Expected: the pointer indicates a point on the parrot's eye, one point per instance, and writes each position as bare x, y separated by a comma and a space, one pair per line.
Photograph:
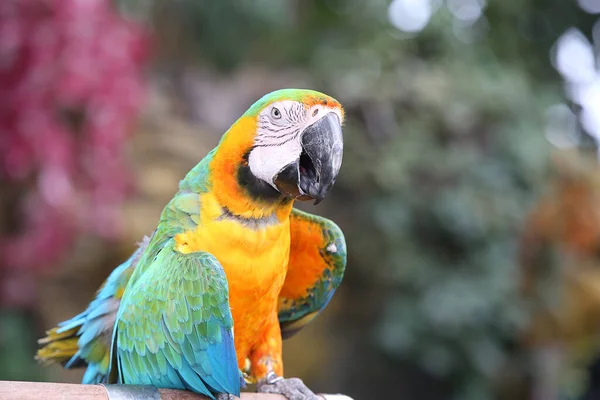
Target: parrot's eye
275, 113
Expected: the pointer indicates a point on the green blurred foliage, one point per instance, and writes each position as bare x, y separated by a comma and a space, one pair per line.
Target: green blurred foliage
16, 342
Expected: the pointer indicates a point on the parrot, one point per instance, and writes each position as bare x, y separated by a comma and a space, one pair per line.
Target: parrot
231, 269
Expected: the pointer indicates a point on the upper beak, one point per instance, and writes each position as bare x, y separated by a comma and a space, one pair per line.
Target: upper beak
313, 174
321, 158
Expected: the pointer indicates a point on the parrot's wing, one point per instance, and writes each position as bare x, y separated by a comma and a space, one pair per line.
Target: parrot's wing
315, 270
86, 338
175, 329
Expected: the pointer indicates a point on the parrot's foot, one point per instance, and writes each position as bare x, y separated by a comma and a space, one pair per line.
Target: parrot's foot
292, 388
224, 396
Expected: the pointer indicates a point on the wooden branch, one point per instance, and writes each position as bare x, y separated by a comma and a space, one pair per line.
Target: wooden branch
14, 390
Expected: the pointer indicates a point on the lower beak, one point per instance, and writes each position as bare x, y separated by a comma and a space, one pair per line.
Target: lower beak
314, 173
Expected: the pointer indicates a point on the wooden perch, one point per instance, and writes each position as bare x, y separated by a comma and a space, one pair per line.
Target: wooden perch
13, 390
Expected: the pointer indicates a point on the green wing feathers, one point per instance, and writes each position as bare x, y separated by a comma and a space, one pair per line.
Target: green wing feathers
315, 270
175, 328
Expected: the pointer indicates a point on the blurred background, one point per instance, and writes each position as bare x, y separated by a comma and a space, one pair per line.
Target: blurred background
469, 193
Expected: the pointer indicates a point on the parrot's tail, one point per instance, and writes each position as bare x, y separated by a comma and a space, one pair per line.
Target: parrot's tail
79, 343
86, 339
58, 346
83, 341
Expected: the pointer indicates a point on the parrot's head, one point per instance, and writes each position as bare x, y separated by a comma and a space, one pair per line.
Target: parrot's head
297, 146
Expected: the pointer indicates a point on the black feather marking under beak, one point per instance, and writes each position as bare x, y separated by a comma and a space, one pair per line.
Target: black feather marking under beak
315, 171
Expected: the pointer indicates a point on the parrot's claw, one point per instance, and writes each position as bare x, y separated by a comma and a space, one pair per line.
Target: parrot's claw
224, 396
292, 388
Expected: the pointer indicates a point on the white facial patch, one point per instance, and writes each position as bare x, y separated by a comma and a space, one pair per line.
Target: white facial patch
279, 134
266, 162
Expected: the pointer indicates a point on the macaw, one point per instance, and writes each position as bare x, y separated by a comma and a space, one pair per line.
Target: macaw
229, 254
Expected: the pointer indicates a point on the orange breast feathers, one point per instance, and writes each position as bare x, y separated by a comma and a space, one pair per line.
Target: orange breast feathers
255, 262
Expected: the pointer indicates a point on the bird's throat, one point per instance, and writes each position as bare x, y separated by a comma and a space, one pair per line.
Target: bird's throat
238, 191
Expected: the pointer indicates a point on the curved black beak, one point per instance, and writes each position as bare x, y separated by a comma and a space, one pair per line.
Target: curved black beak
314, 173
321, 159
